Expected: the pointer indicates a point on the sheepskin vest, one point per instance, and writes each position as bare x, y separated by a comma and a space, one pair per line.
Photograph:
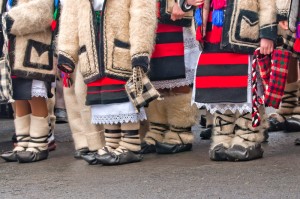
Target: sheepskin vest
125, 39
246, 22
28, 25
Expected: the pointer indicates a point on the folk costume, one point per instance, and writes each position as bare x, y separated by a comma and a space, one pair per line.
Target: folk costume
27, 23
109, 39
223, 76
287, 117
87, 137
172, 69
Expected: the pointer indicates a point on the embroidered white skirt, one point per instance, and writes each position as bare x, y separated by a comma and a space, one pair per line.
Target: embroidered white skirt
116, 113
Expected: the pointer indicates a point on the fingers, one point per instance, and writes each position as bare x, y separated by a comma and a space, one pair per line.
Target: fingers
266, 50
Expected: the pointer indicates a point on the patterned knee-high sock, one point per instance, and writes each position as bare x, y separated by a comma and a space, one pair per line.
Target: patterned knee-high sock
112, 135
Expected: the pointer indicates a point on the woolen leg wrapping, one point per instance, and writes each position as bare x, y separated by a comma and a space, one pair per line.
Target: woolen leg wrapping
156, 113
39, 129
74, 117
91, 131
180, 112
95, 140
22, 127
178, 138
246, 132
130, 136
112, 134
223, 130
289, 99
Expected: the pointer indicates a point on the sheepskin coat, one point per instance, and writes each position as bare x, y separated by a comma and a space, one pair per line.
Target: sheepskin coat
126, 39
28, 25
246, 22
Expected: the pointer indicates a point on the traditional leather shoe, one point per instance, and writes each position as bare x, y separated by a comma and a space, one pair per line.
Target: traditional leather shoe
124, 158
9, 156
240, 153
292, 125
29, 156
206, 133
147, 148
297, 141
91, 158
51, 146
275, 125
79, 152
218, 153
165, 148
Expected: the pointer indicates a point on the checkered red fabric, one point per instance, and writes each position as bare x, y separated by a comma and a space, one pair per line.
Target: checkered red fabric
278, 75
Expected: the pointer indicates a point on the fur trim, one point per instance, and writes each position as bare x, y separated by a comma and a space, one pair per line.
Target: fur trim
173, 138
156, 112
31, 17
285, 108
95, 140
180, 112
221, 139
151, 136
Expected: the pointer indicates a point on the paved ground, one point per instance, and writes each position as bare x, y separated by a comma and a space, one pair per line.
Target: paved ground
186, 175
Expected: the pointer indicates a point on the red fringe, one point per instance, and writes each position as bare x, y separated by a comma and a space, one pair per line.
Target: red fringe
67, 80
53, 25
297, 45
199, 36
216, 35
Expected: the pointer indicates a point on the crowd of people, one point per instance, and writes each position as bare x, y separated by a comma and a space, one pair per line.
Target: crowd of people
139, 74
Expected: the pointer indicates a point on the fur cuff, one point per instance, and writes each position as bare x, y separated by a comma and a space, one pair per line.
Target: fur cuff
269, 32
141, 60
65, 59
151, 136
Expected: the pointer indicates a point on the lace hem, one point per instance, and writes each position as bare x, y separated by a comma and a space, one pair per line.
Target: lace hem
121, 118
212, 108
188, 80
39, 93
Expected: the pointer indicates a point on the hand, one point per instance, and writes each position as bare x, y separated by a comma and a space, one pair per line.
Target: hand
266, 46
284, 25
177, 13
195, 2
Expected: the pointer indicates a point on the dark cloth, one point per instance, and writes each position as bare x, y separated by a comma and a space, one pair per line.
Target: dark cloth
167, 61
106, 91
222, 80
22, 88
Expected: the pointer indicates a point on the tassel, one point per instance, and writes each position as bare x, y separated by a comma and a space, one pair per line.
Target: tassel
198, 17
218, 4
199, 36
297, 42
67, 80
218, 18
53, 25
297, 45
216, 35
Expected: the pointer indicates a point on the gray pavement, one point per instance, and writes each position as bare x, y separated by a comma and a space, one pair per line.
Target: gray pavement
185, 175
